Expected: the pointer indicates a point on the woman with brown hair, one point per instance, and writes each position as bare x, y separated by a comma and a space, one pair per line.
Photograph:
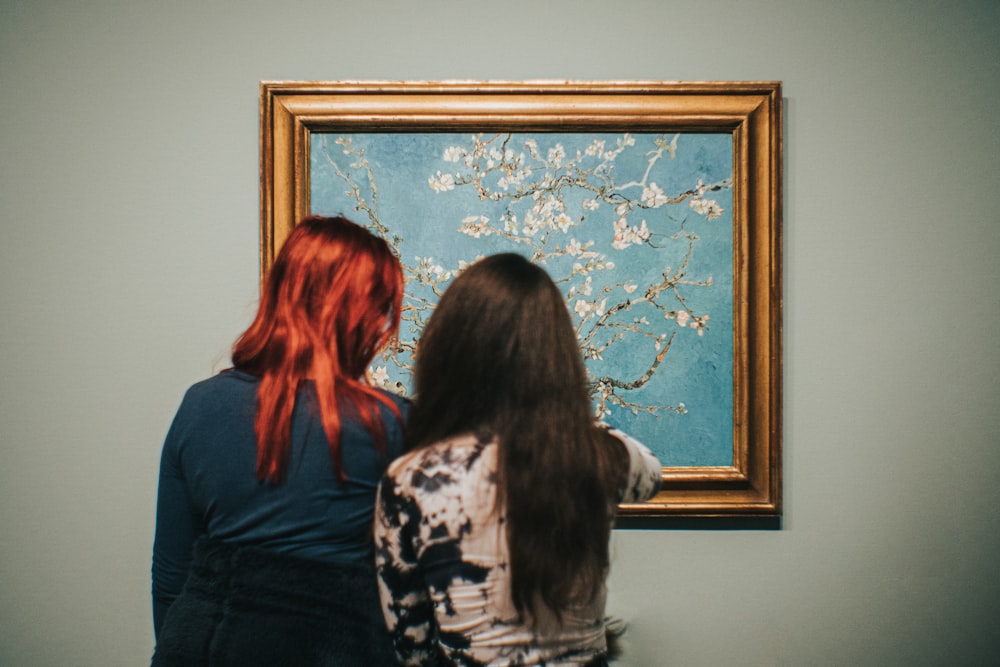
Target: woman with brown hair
263, 549
491, 535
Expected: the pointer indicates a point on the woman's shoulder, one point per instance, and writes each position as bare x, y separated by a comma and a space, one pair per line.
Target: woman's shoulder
226, 377
645, 472
449, 481
221, 387
456, 454
401, 402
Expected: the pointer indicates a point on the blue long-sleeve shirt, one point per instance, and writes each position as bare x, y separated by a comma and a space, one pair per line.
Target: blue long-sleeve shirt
207, 483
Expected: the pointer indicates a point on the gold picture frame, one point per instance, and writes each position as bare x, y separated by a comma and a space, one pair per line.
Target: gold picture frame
294, 113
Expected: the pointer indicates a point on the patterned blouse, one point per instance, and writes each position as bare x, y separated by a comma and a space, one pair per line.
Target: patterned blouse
441, 553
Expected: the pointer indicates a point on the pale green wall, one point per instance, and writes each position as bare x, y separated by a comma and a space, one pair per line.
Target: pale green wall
128, 259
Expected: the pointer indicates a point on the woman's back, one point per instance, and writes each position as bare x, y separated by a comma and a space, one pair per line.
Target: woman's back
441, 550
268, 571
207, 484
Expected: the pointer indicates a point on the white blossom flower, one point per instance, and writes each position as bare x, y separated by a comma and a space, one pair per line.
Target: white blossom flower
706, 207
532, 147
513, 178
682, 317
428, 271
441, 182
575, 248
629, 287
476, 226
699, 324
532, 224
463, 264
563, 222
591, 204
378, 376
653, 196
556, 154
509, 221
626, 235
596, 148
453, 154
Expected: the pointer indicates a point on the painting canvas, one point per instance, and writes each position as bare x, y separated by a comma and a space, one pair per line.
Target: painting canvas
656, 207
636, 228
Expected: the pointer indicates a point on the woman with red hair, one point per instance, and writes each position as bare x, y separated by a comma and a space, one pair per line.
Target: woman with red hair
263, 551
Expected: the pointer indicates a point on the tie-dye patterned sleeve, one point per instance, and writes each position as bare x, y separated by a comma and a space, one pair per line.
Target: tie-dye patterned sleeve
406, 605
645, 473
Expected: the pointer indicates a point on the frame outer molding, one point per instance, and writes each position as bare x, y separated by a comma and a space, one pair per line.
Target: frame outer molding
751, 111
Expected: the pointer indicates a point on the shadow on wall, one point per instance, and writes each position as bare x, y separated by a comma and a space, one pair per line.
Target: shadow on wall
699, 523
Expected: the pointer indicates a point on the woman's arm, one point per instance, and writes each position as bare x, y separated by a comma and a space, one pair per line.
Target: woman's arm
645, 472
177, 528
406, 603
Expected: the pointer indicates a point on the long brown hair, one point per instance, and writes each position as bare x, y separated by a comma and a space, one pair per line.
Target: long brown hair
499, 357
330, 302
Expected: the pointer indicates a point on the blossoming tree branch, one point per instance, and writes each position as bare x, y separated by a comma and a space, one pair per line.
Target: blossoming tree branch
566, 210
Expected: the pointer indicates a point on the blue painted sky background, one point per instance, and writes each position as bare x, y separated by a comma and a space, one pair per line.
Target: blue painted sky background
698, 369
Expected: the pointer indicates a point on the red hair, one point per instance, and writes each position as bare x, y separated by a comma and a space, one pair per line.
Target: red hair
330, 302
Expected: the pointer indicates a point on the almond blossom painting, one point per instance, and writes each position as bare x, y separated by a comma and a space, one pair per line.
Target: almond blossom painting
636, 229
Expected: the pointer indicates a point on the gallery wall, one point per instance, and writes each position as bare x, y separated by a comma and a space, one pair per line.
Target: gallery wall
129, 259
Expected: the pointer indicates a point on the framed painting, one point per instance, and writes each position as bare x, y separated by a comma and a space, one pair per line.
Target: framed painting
655, 206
